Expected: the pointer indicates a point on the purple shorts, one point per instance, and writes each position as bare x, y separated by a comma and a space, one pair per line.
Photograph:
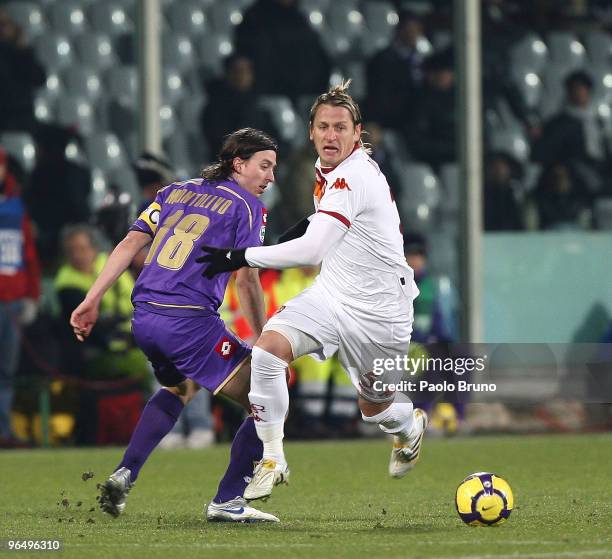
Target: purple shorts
198, 347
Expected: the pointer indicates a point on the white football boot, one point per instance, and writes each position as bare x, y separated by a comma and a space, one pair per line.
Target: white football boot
236, 510
404, 456
267, 474
114, 492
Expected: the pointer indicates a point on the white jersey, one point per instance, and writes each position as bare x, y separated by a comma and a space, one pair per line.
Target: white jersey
367, 270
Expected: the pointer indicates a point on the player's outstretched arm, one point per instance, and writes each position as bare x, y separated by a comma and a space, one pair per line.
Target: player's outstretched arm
323, 234
84, 317
296, 230
250, 295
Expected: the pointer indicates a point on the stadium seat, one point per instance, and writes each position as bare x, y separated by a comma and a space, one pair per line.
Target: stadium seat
54, 51
29, 16
174, 88
307, 6
419, 185
512, 142
95, 51
212, 49
189, 111
75, 153
442, 254
529, 53
99, 188
357, 73
167, 120
338, 46
122, 118
67, 17
105, 151
122, 85
44, 107
602, 80
177, 51
603, 213
529, 84
110, 18
21, 146
553, 93
531, 176
315, 10
418, 196
177, 148
345, 21
565, 49
371, 43
82, 82
187, 18
224, 16
599, 47
125, 178
54, 85
77, 112
284, 117
450, 202
380, 18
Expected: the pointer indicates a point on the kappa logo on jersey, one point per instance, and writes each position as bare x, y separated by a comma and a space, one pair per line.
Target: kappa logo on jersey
341, 184
225, 348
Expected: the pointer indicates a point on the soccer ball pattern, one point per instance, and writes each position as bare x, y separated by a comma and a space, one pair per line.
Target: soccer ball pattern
484, 499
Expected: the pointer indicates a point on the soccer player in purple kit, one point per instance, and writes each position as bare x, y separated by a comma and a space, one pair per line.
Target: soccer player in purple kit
176, 322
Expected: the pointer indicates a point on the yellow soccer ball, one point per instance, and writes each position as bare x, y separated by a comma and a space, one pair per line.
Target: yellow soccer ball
484, 499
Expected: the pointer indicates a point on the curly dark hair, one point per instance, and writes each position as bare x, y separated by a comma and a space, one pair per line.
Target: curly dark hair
243, 143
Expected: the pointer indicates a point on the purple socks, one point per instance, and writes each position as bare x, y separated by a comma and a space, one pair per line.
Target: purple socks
246, 450
158, 418
156, 421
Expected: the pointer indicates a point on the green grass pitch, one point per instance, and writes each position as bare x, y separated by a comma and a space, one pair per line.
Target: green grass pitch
340, 503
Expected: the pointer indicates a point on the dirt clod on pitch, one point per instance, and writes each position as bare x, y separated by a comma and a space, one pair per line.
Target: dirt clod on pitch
87, 475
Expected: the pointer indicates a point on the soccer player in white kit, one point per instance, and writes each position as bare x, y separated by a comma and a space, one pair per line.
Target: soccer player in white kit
360, 305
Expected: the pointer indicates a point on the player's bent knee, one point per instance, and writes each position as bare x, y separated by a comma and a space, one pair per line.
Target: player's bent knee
266, 365
185, 390
276, 344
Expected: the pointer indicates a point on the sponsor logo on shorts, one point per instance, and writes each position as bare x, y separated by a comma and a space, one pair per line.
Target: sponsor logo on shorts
225, 348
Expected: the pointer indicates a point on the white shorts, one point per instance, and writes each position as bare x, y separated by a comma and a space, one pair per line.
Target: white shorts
359, 337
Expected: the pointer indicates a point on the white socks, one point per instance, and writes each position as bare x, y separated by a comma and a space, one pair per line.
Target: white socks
269, 397
397, 419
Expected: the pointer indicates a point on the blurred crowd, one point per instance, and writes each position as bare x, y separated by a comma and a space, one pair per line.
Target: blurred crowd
54, 236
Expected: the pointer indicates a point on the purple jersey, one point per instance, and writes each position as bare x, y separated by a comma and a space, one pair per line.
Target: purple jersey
183, 217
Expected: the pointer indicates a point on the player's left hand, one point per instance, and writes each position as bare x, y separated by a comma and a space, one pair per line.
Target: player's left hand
221, 260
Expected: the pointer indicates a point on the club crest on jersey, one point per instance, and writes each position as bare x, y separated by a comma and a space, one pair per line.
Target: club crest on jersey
225, 348
341, 184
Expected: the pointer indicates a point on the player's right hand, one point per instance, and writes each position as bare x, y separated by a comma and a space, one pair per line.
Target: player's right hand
83, 319
220, 260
